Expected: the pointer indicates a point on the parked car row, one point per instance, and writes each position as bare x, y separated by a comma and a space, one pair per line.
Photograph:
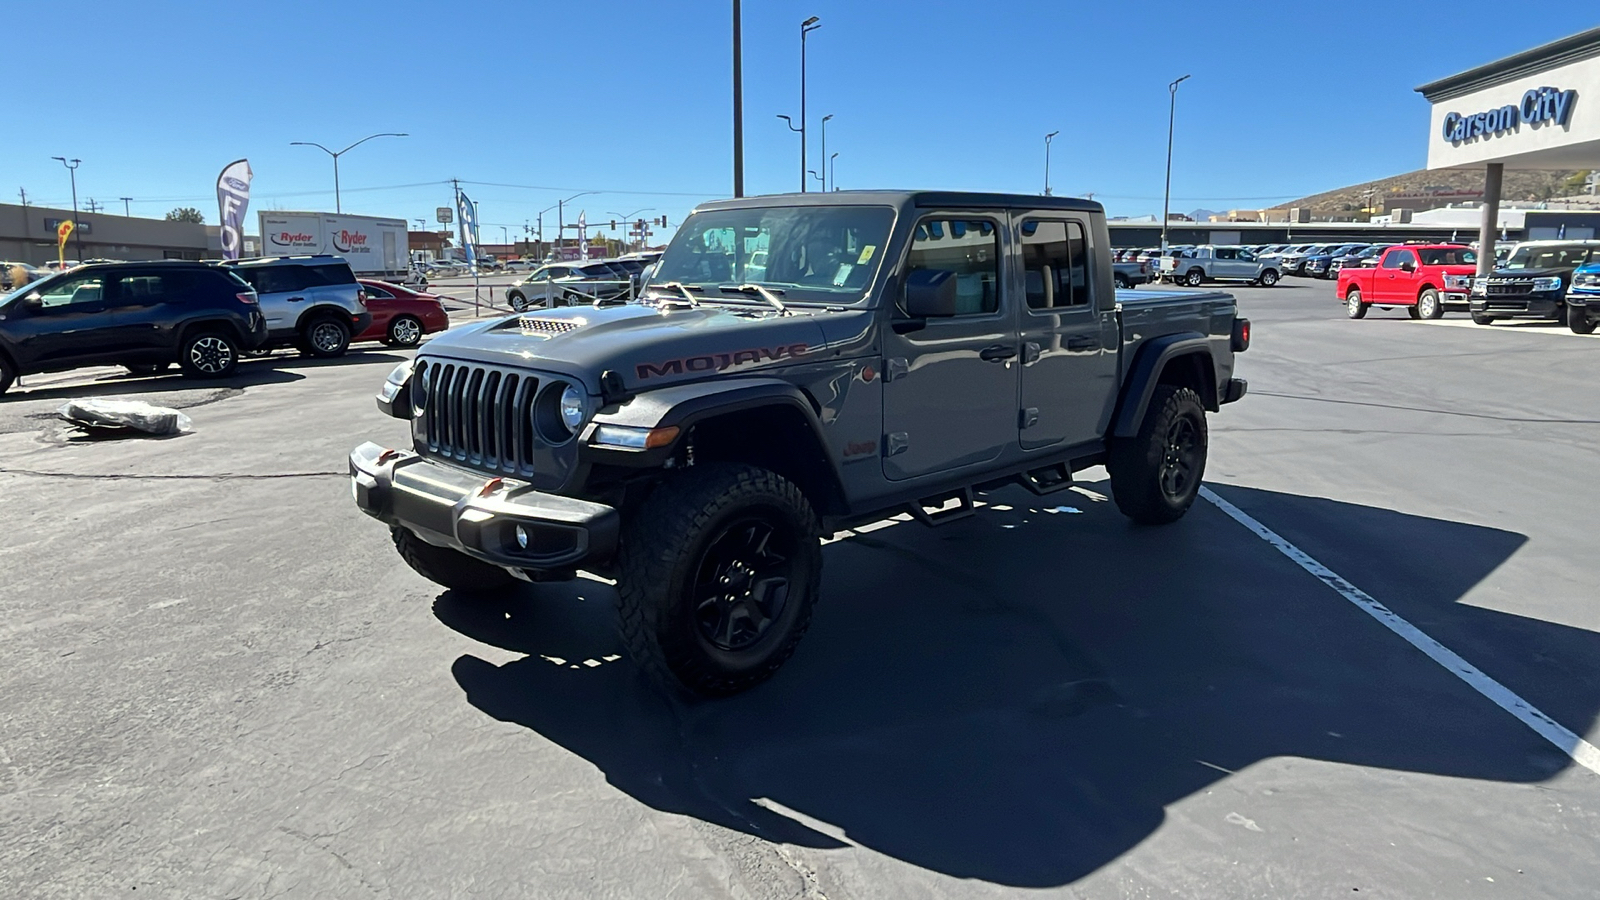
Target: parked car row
572, 283
1549, 280
204, 316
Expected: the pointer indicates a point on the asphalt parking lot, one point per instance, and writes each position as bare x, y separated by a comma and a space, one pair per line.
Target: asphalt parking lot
222, 682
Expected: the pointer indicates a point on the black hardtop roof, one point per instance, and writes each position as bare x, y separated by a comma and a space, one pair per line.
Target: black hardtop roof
910, 200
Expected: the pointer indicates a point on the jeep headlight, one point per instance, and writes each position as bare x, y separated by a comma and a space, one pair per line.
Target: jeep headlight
573, 407
1547, 284
560, 411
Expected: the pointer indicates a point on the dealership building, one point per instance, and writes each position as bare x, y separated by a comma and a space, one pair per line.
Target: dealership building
1534, 110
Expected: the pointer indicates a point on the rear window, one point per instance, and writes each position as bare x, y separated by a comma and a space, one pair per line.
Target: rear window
329, 273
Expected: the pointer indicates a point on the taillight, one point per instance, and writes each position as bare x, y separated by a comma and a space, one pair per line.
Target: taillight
249, 298
1241, 335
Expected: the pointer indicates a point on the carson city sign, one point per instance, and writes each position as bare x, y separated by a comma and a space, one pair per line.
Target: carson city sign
1538, 106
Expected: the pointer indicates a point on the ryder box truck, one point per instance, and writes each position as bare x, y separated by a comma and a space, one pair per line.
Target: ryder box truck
371, 245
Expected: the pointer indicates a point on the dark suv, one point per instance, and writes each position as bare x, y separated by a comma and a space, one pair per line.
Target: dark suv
144, 316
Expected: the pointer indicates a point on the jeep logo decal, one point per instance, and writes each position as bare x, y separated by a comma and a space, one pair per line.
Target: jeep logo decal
717, 362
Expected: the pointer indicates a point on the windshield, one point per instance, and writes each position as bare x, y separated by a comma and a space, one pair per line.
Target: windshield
820, 253
1449, 256
1568, 257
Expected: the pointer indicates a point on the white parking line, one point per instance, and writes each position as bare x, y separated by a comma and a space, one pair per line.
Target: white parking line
1528, 327
1582, 752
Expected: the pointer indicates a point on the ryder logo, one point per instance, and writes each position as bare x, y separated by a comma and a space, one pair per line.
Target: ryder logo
350, 242
718, 362
291, 238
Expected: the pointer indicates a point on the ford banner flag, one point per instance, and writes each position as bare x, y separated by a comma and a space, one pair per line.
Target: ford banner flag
233, 198
469, 227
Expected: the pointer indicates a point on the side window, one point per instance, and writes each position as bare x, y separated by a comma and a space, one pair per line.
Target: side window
144, 289
83, 290
276, 279
1227, 253
1247, 255
327, 274
1055, 264
968, 248
1397, 258
376, 293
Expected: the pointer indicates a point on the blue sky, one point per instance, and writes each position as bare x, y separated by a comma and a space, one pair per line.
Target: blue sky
633, 98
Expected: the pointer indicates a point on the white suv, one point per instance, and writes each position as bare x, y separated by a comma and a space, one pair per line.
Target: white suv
310, 302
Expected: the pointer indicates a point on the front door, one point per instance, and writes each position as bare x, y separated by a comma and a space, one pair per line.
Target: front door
71, 323
1069, 334
1394, 281
950, 388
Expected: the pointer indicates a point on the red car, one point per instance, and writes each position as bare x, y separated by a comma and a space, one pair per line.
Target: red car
400, 316
1422, 278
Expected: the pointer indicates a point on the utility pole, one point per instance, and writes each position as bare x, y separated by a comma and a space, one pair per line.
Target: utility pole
125, 202
23, 192
94, 206
738, 104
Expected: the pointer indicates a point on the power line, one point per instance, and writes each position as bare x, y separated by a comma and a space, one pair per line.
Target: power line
546, 187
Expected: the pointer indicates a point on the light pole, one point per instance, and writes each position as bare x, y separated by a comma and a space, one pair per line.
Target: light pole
77, 233
624, 219
833, 176
561, 221
825, 151
802, 132
820, 178
806, 27
1047, 161
337, 206
1166, 196
738, 104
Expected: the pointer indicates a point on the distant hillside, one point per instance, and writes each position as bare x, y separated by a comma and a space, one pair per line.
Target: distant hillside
1426, 189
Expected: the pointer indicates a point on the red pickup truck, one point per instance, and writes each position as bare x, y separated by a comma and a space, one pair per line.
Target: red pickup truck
1423, 278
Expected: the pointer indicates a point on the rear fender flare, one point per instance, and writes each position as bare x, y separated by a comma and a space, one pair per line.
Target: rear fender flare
1149, 362
326, 309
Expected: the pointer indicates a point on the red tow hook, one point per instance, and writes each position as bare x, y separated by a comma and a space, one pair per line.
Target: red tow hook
490, 486
387, 455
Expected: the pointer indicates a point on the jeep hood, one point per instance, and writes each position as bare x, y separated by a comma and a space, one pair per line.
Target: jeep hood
646, 346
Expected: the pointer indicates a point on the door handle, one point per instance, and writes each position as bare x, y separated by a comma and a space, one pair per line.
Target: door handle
297, 299
1083, 343
997, 353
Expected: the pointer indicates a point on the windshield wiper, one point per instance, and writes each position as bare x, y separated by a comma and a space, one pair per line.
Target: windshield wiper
768, 294
681, 288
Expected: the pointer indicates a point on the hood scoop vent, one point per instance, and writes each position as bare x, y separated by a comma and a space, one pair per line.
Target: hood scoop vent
548, 325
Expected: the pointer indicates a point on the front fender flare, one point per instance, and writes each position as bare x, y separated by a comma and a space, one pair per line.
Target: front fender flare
683, 405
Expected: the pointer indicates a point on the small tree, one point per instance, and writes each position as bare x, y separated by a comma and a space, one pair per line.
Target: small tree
187, 214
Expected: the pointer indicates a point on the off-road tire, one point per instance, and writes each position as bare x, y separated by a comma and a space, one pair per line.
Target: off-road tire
449, 568
1353, 305
1429, 305
1480, 319
1139, 465
1577, 320
316, 337
209, 354
404, 331
665, 547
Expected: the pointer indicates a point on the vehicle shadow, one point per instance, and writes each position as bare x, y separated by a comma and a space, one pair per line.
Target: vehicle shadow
1018, 697
252, 372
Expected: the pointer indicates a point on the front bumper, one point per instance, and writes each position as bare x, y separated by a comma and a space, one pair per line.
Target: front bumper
1518, 306
480, 515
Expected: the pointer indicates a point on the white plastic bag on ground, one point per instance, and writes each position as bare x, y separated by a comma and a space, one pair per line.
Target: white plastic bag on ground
98, 412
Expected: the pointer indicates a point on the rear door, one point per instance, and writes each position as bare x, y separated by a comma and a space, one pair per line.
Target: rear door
950, 387
143, 303
281, 291
1068, 330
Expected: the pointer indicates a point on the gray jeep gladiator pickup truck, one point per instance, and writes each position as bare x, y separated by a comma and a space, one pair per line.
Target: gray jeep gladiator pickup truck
798, 365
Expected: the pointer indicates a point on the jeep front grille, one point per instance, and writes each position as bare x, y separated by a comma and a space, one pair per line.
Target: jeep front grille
478, 415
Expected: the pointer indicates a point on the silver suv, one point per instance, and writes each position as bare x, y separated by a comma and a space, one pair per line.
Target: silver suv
312, 303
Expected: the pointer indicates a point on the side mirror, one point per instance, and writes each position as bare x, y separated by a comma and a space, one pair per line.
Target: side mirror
930, 293
34, 301
1408, 266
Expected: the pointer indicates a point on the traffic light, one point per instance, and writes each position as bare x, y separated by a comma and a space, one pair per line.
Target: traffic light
662, 222
613, 224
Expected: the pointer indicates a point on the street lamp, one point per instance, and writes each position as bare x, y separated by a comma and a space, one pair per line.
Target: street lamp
802, 133
1047, 161
337, 206
77, 233
825, 151
820, 178
561, 221
833, 177
625, 218
1166, 197
806, 27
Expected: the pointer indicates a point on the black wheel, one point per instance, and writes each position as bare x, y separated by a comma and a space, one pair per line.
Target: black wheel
1353, 307
325, 337
146, 368
1194, 277
719, 571
449, 568
209, 354
405, 331
7, 374
1121, 281
1268, 278
1429, 306
1577, 319
517, 301
1481, 319
1156, 474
